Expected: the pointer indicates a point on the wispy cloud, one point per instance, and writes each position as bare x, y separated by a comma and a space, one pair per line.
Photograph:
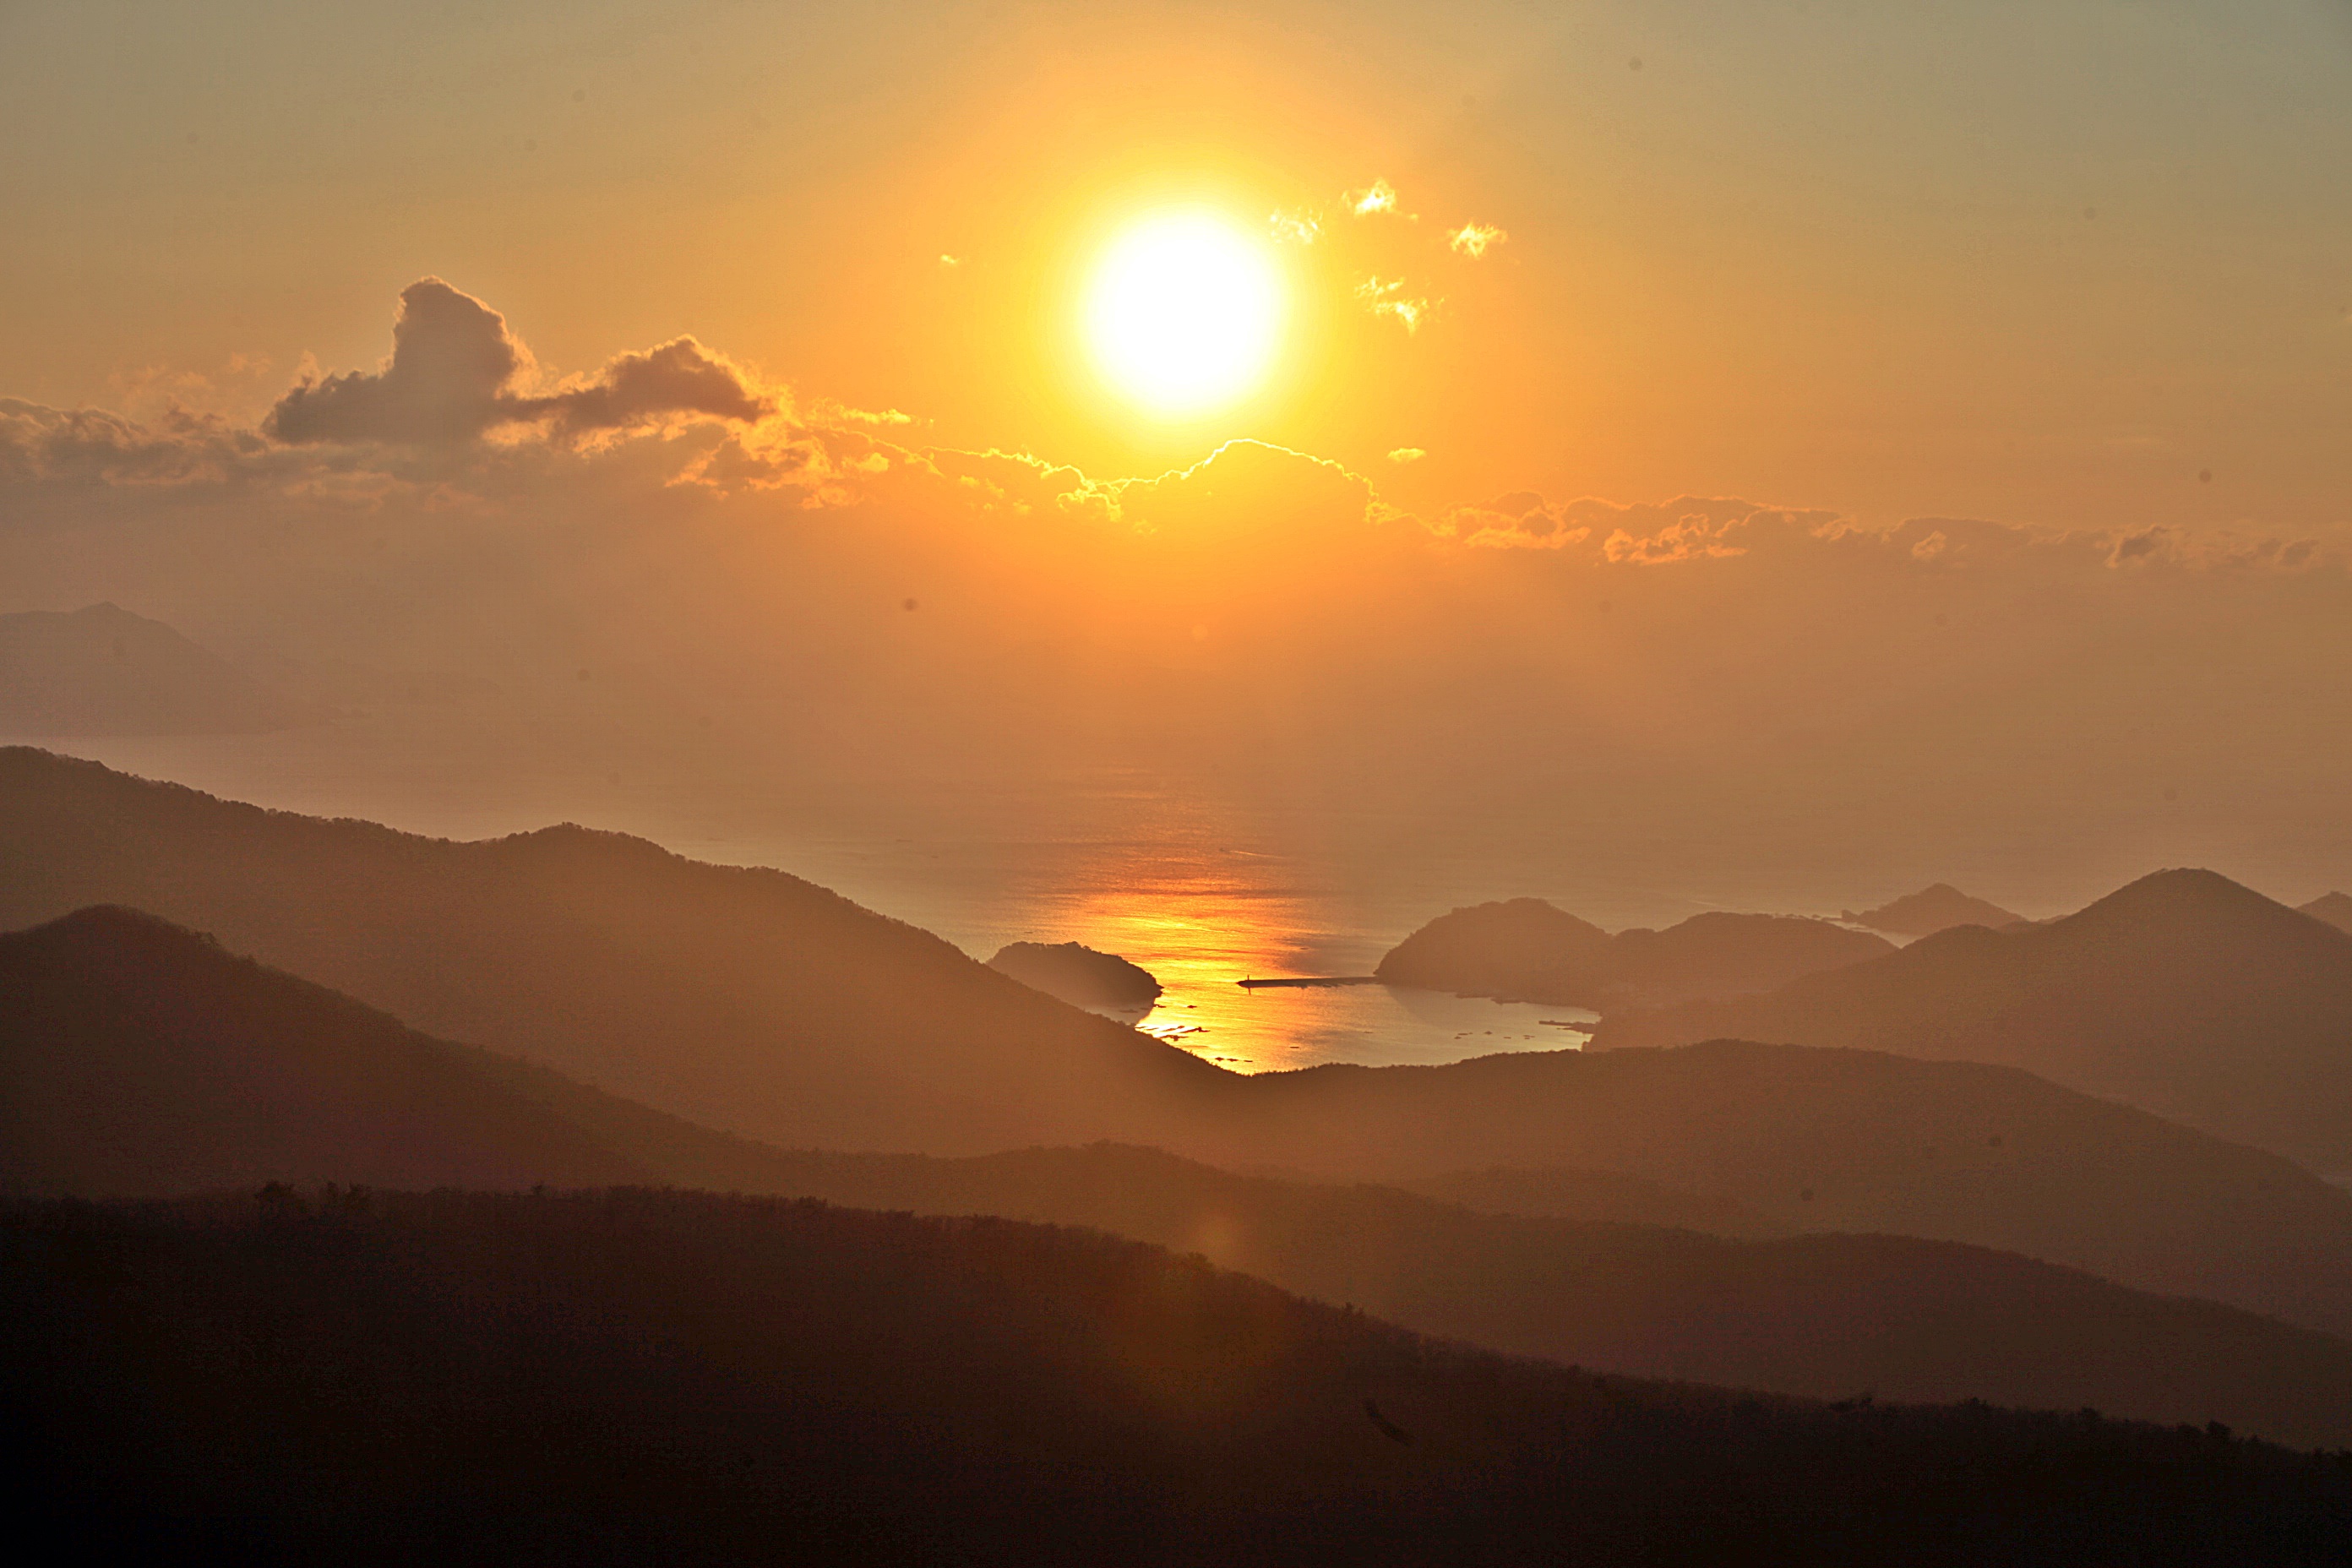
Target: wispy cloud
1375, 199
1300, 227
1390, 299
1406, 454
1474, 239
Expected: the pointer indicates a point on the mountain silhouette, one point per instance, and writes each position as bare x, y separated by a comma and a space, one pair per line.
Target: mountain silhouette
1527, 950
142, 1060
2183, 993
747, 999
1077, 975
2336, 908
1931, 910
624, 1376
1816, 1314
757, 1004
101, 671
1836, 1139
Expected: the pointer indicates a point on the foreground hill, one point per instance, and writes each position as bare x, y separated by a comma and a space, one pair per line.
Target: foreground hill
2184, 994
142, 1060
1931, 910
1826, 1315
745, 998
1524, 948
102, 670
631, 1378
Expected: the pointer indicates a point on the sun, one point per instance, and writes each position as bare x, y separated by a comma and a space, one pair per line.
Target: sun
1185, 312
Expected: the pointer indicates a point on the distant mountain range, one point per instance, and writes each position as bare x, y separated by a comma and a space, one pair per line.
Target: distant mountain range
747, 999
754, 1003
1931, 910
2183, 994
2336, 908
102, 670
1527, 950
143, 1060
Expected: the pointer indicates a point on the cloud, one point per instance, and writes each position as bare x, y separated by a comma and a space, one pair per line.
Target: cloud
1377, 198
1390, 300
1248, 487
452, 357
61, 447
1474, 240
681, 377
453, 374
1406, 454
1297, 228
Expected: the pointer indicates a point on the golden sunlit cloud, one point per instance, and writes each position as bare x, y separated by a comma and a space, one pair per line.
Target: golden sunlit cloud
1407, 455
1390, 300
1298, 228
1471, 239
1185, 312
947, 261
1381, 197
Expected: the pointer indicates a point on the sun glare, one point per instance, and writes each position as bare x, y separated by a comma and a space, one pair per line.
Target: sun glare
1185, 312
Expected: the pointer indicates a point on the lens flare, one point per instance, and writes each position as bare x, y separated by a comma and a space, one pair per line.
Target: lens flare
1184, 313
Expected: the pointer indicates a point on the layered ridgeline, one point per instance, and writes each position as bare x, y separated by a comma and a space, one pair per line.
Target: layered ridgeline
1527, 950
2336, 908
753, 1002
640, 1377
143, 1060
2184, 993
1931, 910
745, 998
102, 670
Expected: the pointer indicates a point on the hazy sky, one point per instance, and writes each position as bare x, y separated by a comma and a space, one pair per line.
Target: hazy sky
2042, 262
2022, 334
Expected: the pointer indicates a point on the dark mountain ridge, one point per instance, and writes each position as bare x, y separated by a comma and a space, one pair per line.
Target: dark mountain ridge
2184, 994
1527, 950
631, 1377
747, 999
139, 1059
755, 1003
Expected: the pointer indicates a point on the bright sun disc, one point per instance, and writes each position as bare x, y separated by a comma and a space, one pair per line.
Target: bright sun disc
1185, 312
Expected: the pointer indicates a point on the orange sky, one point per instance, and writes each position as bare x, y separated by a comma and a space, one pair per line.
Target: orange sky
2044, 263
1879, 446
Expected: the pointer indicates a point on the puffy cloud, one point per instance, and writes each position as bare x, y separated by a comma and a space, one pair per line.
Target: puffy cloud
1406, 454
454, 372
1474, 239
1379, 198
679, 378
452, 360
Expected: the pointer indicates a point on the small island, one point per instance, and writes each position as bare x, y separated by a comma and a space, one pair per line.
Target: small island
1077, 975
